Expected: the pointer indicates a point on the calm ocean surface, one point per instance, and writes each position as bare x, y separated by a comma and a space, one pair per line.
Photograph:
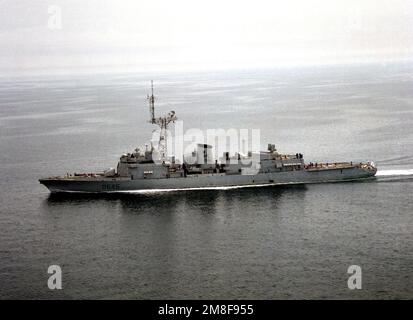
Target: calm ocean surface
253, 243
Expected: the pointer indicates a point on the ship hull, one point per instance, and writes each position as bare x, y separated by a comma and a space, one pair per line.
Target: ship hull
107, 185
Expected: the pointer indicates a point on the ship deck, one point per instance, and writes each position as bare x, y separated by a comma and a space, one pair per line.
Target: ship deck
330, 166
310, 167
86, 178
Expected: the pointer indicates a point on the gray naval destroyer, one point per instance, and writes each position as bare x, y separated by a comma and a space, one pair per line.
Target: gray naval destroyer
140, 170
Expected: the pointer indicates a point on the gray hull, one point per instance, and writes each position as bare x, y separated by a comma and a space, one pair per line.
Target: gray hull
105, 185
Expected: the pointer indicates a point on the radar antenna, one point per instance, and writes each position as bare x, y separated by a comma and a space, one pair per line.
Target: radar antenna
163, 123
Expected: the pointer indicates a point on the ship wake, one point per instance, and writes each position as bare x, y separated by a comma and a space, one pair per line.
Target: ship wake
398, 172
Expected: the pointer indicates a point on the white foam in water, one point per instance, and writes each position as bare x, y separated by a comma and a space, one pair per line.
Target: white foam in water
405, 172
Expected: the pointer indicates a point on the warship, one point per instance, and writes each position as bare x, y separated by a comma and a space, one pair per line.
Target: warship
141, 170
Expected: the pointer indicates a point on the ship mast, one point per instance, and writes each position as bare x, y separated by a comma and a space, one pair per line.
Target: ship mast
151, 100
163, 123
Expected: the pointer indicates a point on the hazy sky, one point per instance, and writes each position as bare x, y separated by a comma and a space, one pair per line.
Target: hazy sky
214, 34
